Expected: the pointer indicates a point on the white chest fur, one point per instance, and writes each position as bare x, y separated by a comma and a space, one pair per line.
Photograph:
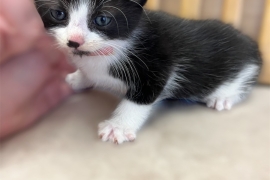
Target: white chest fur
93, 71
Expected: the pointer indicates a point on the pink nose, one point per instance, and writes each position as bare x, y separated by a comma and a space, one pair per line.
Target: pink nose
75, 41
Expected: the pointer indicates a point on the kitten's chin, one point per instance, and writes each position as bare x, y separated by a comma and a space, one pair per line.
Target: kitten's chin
106, 51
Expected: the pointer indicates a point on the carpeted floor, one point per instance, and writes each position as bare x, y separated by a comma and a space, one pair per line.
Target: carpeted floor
188, 142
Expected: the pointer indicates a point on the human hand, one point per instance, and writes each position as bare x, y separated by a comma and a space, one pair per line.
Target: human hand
32, 71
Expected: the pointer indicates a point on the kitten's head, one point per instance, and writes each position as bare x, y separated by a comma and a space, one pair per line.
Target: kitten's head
86, 26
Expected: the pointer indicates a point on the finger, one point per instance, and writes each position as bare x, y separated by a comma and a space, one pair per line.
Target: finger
52, 94
23, 18
24, 76
5, 29
55, 56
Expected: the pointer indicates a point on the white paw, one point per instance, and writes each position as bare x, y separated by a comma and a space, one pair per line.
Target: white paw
74, 82
110, 131
220, 104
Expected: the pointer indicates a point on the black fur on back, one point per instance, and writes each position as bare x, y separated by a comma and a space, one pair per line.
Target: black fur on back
202, 53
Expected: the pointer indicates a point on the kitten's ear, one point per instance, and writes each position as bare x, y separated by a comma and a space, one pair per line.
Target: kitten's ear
141, 2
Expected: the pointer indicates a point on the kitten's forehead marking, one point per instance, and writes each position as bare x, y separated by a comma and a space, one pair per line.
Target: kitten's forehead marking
78, 18
80, 4
77, 4
79, 12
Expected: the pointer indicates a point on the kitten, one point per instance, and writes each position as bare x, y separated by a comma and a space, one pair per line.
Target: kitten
145, 57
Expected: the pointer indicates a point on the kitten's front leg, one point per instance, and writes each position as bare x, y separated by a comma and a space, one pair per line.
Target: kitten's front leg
78, 81
126, 121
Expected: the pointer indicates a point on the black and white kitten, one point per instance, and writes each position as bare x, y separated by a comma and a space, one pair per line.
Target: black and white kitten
146, 57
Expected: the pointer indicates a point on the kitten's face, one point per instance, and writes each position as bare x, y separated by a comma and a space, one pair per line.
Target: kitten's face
86, 26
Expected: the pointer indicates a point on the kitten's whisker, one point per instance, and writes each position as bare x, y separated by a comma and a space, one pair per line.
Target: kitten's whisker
143, 11
115, 21
123, 68
121, 12
49, 3
130, 52
107, 1
42, 5
118, 60
117, 68
130, 63
102, 3
105, 56
45, 13
95, 2
66, 4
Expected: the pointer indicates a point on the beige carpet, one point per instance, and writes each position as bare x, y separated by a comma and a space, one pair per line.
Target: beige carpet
186, 143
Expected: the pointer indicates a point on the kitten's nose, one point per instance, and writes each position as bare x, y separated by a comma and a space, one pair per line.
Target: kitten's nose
75, 42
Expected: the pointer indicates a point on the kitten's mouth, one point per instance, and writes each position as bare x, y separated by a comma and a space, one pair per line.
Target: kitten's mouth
100, 52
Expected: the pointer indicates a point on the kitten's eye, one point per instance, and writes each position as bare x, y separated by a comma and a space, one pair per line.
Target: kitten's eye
102, 20
58, 15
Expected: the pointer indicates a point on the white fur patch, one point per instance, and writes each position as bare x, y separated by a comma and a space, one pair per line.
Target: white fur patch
126, 121
78, 26
173, 83
78, 81
96, 69
96, 74
92, 70
232, 92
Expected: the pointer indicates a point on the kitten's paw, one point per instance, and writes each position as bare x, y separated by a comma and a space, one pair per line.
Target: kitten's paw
71, 80
74, 82
220, 104
113, 132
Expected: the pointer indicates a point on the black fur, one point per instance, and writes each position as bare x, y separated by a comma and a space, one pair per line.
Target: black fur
203, 54
208, 53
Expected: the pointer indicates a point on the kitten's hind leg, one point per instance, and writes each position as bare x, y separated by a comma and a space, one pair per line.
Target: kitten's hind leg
126, 121
78, 81
234, 91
